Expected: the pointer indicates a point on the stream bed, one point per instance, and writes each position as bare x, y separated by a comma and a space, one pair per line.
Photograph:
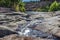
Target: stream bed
29, 24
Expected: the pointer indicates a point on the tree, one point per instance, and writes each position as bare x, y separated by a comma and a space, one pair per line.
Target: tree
54, 6
17, 5
5, 3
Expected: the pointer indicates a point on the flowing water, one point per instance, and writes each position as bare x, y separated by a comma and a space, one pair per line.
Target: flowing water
26, 30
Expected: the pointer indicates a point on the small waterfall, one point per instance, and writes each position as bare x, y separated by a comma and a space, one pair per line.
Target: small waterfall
29, 32
26, 31
34, 22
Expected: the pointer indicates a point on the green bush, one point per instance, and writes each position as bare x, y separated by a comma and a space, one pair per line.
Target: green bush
21, 7
58, 7
54, 6
16, 8
5, 3
17, 5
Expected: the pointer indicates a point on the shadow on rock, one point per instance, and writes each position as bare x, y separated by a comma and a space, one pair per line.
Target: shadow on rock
5, 33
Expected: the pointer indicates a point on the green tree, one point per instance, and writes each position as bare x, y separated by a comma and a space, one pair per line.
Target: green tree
17, 5
5, 3
59, 6
54, 6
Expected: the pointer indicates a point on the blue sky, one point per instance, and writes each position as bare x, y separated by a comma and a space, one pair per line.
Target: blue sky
26, 0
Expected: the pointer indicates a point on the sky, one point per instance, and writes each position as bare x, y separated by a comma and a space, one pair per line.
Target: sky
28, 0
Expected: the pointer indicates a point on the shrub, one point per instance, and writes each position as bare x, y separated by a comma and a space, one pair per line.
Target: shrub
5, 3
21, 7
17, 5
54, 6
59, 6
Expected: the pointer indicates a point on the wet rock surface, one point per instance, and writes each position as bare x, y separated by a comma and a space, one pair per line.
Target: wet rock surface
47, 24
